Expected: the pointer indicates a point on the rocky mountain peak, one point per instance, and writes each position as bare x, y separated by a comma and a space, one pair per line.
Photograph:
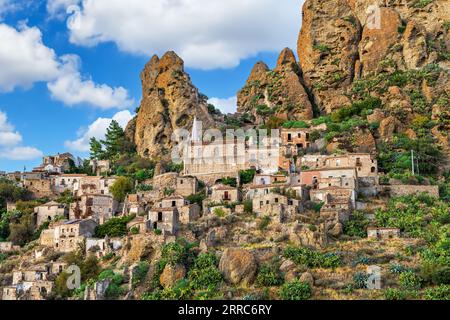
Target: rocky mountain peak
170, 101
275, 93
286, 57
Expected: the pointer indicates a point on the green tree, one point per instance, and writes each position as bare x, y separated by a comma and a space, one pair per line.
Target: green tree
121, 187
96, 149
116, 143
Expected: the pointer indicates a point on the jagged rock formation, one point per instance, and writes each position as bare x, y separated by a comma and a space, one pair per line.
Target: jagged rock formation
277, 92
341, 41
328, 50
169, 102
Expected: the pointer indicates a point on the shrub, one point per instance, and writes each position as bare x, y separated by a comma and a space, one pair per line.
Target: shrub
296, 125
264, 223
311, 258
140, 272
435, 273
317, 206
409, 281
121, 187
360, 280
232, 182
219, 212
178, 252
197, 198
295, 290
248, 206
269, 276
205, 279
397, 269
394, 294
357, 225
246, 176
438, 293
115, 227
114, 289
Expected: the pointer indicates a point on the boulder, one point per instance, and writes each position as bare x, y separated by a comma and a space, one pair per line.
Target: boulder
337, 230
307, 278
171, 275
238, 266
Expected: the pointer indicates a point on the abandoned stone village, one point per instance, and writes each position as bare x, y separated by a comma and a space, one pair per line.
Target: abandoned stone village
337, 183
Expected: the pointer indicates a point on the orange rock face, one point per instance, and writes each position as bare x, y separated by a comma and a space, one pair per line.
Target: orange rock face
328, 50
169, 102
279, 90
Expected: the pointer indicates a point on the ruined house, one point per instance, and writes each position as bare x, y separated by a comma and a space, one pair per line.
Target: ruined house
383, 233
100, 167
49, 212
186, 186
98, 206
278, 205
66, 182
69, 235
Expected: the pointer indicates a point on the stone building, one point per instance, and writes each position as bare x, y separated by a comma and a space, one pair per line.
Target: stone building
189, 213
140, 224
365, 164
268, 179
102, 247
97, 206
278, 205
224, 193
294, 142
68, 235
10, 293
100, 167
47, 238
186, 186
210, 161
66, 182
164, 219
177, 209
39, 184
383, 233
260, 190
335, 195
330, 177
49, 212
59, 163
93, 185
134, 204
8, 247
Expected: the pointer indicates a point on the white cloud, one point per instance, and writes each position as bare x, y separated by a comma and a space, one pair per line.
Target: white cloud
228, 105
7, 135
207, 34
97, 130
20, 153
10, 140
24, 60
71, 89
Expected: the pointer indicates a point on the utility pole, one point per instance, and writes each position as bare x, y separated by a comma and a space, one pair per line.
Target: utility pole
412, 161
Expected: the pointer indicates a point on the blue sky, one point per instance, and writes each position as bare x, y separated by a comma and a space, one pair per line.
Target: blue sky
62, 83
